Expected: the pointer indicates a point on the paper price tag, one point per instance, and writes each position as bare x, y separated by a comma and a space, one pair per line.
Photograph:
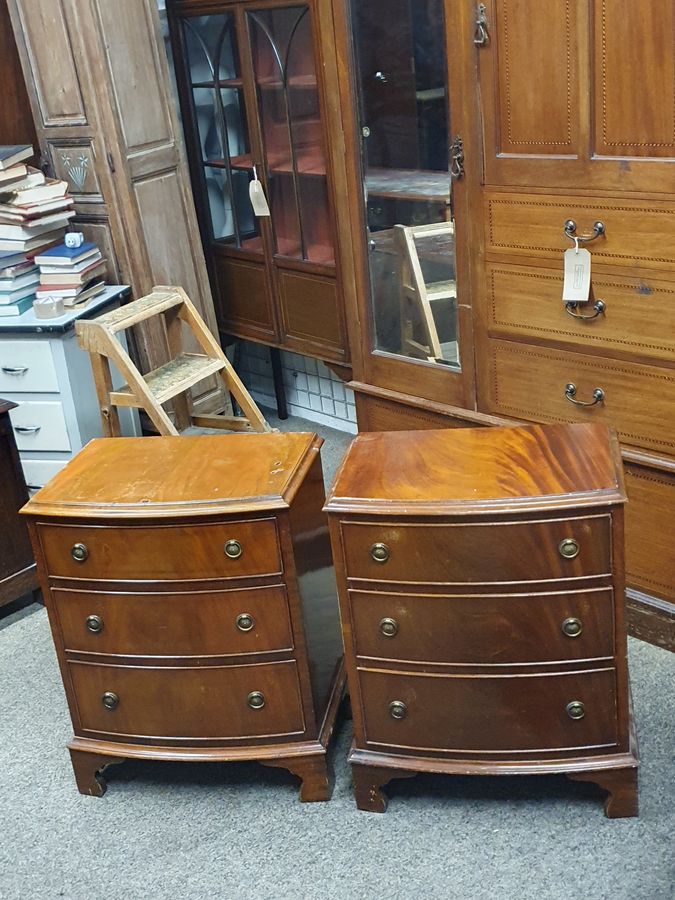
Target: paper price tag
577, 284
257, 195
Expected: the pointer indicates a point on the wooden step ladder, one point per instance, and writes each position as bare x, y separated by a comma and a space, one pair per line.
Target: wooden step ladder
170, 381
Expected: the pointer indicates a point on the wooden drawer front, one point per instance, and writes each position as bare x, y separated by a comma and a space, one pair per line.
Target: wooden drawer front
529, 383
207, 702
639, 316
40, 425
518, 551
205, 623
490, 714
483, 629
636, 234
173, 552
650, 549
27, 366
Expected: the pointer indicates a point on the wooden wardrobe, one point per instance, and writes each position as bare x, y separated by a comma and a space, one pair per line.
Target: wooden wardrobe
99, 88
560, 123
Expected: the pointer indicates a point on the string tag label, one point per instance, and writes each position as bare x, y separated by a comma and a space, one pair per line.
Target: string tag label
257, 195
577, 283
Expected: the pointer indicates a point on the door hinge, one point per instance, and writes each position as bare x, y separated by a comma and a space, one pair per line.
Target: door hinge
457, 158
481, 35
111, 161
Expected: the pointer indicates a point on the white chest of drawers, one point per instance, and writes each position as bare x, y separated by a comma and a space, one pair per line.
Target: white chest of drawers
49, 376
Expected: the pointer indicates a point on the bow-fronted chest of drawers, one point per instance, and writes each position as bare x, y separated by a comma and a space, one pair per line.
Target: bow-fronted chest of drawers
481, 585
192, 601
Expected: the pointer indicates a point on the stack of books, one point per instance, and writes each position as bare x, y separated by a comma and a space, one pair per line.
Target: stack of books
19, 277
34, 210
75, 274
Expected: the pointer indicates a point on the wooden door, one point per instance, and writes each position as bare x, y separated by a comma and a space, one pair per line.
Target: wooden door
101, 99
574, 94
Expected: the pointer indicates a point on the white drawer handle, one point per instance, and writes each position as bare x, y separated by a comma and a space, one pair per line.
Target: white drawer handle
27, 429
15, 370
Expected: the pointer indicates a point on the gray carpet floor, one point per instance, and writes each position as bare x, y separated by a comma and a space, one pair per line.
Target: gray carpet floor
238, 832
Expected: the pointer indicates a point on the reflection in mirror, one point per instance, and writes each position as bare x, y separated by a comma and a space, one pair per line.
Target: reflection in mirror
403, 109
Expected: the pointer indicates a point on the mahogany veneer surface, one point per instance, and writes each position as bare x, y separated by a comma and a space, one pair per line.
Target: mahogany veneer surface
192, 602
481, 586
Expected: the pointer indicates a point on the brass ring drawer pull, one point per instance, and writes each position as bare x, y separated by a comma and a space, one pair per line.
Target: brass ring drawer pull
575, 709
599, 307
256, 700
571, 232
380, 553
389, 627
79, 552
110, 700
94, 624
245, 622
569, 548
570, 394
572, 627
233, 549
398, 709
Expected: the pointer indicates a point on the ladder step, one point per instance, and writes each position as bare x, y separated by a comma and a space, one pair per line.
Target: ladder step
139, 310
441, 290
171, 379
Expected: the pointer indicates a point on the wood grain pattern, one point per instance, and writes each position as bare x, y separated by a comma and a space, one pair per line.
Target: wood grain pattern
528, 382
172, 625
489, 629
206, 702
169, 641
527, 712
524, 303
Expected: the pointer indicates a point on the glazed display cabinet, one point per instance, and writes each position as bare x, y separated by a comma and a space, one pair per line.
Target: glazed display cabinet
252, 102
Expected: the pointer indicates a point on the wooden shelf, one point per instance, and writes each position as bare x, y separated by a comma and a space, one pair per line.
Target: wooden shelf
409, 184
226, 83
299, 82
320, 254
309, 162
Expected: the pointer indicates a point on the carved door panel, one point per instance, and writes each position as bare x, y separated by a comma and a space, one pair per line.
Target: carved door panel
574, 94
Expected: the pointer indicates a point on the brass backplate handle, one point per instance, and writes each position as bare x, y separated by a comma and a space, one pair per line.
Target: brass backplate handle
256, 700
571, 232
245, 622
570, 394
575, 709
572, 627
94, 624
569, 548
79, 552
380, 553
110, 700
389, 627
233, 549
398, 709
599, 308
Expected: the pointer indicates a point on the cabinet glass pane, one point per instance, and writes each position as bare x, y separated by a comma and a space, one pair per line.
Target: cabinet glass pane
285, 73
222, 130
401, 71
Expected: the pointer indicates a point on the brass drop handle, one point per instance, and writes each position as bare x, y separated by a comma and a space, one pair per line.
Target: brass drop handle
245, 622
389, 627
599, 307
233, 549
571, 390
380, 553
572, 627
94, 624
575, 709
568, 548
481, 35
571, 232
398, 709
79, 552
110, 700
256, 700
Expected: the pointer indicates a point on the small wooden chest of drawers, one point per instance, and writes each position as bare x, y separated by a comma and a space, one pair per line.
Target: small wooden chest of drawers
192, 601
481, 586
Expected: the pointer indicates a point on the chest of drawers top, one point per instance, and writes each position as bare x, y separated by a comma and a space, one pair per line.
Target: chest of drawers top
178, 478
474, 472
